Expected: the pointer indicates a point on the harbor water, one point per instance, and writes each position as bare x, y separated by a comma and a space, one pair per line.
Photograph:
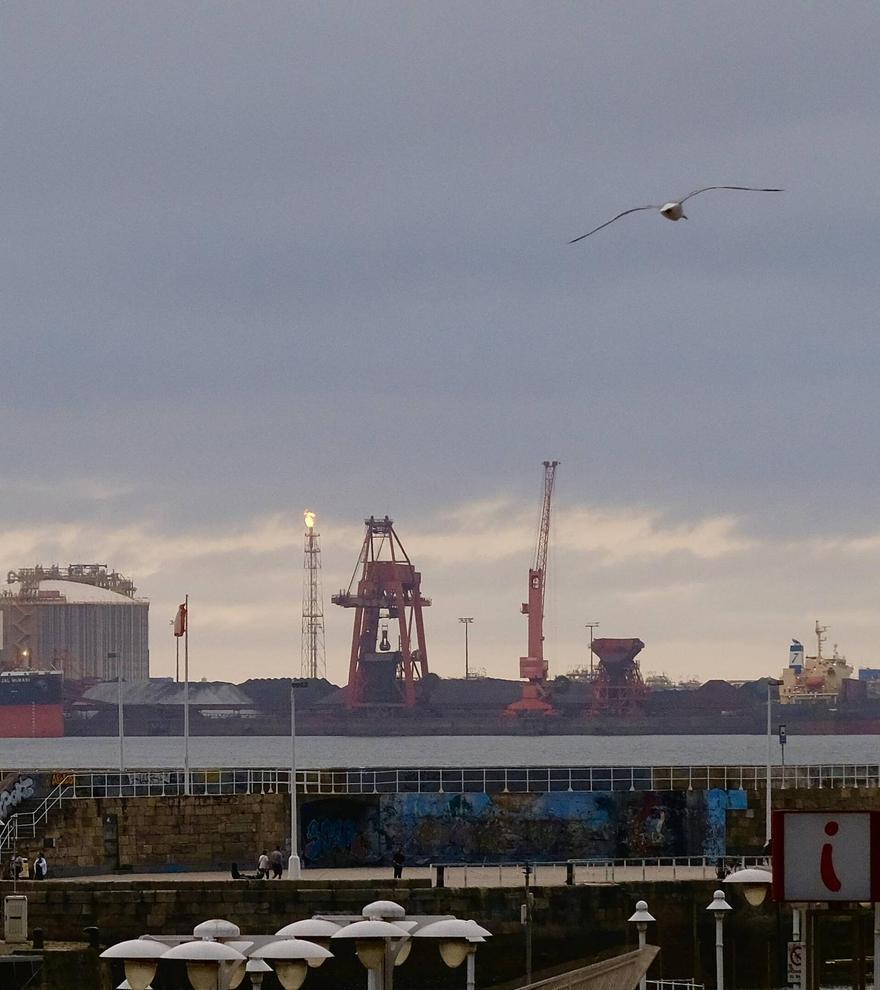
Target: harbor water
324, 752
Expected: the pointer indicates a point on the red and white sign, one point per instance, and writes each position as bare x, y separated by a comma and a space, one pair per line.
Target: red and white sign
795, 961
826, 856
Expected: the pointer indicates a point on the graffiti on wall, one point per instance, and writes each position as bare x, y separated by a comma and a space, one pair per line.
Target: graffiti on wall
718, 803
14, 792
338, 832
478, 827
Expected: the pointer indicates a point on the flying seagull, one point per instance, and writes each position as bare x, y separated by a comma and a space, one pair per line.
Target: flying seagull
673, 210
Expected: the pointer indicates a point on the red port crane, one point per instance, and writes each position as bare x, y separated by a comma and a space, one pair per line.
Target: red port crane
388, 591
533, 668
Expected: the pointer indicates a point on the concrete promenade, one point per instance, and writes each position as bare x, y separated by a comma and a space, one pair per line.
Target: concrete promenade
458, 876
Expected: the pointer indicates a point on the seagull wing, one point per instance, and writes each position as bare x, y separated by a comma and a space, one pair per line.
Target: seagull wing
696, 192
635, 209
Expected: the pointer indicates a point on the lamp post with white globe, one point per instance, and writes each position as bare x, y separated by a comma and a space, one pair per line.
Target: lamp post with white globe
754, 882
291, 959
217, 957
458, 941
140, 959
209, 965
719, 907
641, 919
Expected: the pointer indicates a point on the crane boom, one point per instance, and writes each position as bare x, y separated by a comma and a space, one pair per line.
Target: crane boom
544, 529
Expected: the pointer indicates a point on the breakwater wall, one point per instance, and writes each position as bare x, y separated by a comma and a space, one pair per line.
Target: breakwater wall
199, 832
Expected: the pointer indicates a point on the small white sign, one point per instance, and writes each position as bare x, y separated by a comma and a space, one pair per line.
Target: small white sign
795, 959
826, 856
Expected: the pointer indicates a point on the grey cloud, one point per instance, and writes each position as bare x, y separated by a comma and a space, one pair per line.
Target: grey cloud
264, 255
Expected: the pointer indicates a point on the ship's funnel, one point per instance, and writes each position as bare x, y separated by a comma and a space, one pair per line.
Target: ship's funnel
617, 652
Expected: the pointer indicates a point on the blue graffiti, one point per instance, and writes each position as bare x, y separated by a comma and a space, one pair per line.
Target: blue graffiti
330, 839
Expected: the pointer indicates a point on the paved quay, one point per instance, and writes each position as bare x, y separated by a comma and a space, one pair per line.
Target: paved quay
455, 876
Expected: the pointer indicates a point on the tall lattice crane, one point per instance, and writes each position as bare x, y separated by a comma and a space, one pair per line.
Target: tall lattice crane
534, 667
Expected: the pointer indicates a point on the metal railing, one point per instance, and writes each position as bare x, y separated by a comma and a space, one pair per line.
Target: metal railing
24, 824
597, 870
674, 985
462, 780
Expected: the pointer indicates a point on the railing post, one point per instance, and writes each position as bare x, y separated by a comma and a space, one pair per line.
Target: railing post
440, 880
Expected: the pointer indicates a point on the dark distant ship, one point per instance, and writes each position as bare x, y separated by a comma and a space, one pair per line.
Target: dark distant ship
31, 704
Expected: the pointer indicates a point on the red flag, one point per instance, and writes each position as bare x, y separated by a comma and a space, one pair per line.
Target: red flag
180, 621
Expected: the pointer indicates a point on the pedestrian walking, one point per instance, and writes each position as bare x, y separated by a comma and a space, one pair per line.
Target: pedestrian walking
397, 861
263, 866
277, 861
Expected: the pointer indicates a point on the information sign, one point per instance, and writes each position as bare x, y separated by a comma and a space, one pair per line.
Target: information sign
826, 856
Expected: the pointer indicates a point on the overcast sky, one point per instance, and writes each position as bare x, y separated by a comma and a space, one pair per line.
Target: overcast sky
263, 256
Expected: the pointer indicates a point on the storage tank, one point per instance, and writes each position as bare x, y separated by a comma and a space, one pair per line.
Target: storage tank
83, 629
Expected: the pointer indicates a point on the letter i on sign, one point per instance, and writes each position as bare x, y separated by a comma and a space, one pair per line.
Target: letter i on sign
826, 863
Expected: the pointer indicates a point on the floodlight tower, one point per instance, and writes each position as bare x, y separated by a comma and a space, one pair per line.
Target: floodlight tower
314, 660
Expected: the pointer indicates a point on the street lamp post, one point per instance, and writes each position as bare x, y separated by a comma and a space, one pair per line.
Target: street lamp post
754, 882
377, 944
783, 739
293, 864
458, 941
640, 919
526, 919
719, 907
119, 712
217, 957
140, 959
209, 965
292, 958
592, 626
771, 683
466, 620
876, 944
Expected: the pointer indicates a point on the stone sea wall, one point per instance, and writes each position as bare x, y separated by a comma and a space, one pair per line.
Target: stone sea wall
175, 833
159, 833
166, 833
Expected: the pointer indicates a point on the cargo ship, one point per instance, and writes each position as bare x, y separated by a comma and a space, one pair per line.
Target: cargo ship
31, 704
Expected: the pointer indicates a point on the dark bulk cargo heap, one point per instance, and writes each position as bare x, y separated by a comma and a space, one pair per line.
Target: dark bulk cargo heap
31, 704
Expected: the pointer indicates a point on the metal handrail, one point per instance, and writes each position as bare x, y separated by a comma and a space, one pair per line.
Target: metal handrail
608, 868
24, 823
138, 782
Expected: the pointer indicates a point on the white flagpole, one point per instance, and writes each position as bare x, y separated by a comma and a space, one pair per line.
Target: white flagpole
186, 787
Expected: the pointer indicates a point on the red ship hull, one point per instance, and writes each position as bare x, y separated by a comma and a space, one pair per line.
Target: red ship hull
31, 721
